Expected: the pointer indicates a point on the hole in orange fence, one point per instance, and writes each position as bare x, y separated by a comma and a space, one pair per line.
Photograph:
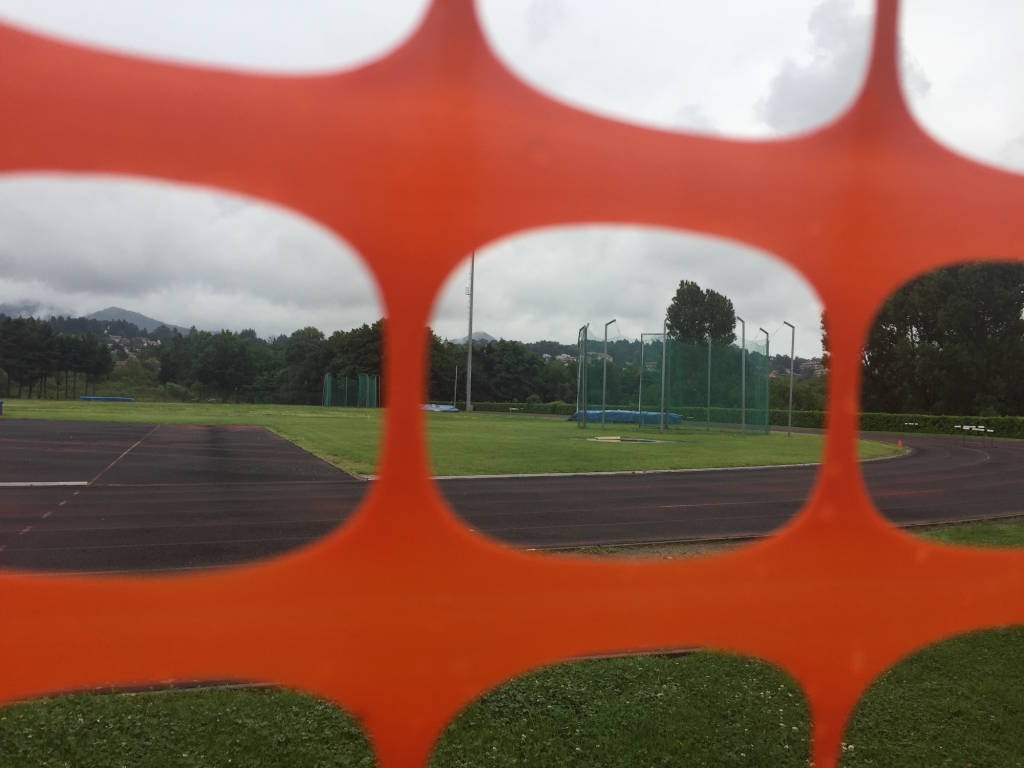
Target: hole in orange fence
523, 469
736, 69
215, 460
941, 373
261, 36
960, 702
962, 75
184, 727
688, 709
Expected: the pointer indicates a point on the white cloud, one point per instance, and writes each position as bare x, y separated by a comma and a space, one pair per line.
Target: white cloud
739, 67
180, 254
545, 284
263, 35
974, 63
680, 65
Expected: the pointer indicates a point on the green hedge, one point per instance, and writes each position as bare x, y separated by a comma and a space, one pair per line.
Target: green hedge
1004, 426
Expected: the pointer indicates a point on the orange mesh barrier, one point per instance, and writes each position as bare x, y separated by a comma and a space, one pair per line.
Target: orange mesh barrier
404, 616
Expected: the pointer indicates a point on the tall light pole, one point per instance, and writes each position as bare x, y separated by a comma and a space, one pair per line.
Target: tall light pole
743, 374
604, 371
792, 349
767, 383
455, 386
469, 338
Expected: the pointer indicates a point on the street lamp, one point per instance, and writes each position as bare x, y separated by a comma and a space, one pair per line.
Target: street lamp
792, 347
767, 383
743, 374
604, 371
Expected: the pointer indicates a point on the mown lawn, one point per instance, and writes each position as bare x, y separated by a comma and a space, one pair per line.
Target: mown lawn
960, 703
467, 444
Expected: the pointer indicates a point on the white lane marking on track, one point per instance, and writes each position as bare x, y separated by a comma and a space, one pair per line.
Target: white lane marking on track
47, 513
47, 484
25, 530
63, 503
76, 493
128, 450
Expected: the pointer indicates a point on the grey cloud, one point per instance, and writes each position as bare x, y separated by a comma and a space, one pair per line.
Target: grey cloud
545, 284
185, 255
802, 92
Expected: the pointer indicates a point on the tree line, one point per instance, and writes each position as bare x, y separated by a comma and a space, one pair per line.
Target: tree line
951, 342
43, 363
242, 367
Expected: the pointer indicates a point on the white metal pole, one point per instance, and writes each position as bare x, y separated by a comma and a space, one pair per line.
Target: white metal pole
743, 374
586, 330
767, 384
792, 350
455, 386
640, 388
469, 338
664, 359
604, 371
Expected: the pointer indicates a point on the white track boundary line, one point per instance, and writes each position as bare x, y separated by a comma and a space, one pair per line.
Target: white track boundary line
128, 450
44, 484
625, 472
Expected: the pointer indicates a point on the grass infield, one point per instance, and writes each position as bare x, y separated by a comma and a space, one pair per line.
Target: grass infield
467, 444
957, 703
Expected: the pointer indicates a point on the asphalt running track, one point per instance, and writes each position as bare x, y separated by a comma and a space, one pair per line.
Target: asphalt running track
177, 497
942, 480
159, 498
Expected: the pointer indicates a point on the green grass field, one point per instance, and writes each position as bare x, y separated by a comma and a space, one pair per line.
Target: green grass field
959, 703
467, 444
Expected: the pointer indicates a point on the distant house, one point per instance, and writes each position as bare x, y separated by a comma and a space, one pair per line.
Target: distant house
565, 359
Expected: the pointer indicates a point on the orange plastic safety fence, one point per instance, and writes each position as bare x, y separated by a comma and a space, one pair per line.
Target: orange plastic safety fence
404, 616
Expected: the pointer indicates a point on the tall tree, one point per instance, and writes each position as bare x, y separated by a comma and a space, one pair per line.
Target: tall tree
950, 342
700, 315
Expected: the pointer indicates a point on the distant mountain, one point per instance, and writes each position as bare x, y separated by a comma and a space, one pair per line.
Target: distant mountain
482, 336
135, 318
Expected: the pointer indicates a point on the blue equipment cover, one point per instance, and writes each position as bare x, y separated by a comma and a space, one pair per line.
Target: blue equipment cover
650, 418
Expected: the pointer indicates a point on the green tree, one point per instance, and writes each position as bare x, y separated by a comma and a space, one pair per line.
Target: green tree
701, 315
950, 342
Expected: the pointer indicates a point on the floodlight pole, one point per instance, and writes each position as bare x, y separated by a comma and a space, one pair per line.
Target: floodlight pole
586, 328
469, 338
792, 349
640, 388
743, 374
579, 375
767, 383
604, 371
664, 350
455, 386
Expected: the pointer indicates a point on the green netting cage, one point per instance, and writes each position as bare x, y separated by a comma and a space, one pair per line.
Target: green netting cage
360, 391
715, 386
665, 382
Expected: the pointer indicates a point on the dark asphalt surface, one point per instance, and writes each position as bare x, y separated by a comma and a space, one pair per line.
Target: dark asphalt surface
942, 480
171, 497
181, 497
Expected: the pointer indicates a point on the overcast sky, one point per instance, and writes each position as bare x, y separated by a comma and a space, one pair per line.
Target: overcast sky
737, 68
